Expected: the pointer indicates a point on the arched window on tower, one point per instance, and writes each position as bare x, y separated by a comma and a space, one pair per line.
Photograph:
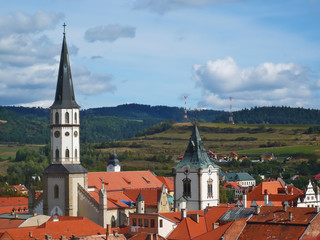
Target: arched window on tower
56, 118
67, 117
186, 187
209, 182
57, 155
113, 222
75, 118
67, 153
76, 153
56, 191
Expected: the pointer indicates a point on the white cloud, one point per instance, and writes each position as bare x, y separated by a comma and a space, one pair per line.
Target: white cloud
266, 84
20, 22
162, 6
109, 33
89, 83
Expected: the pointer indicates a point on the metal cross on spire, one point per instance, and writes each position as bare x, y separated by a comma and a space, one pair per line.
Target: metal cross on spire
64, 28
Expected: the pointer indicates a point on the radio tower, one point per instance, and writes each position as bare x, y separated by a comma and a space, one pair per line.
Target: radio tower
230, 112
185, 109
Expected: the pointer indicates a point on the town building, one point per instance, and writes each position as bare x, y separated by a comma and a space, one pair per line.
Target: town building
274, 193
70, 190
242, 178
196, 176
311, 198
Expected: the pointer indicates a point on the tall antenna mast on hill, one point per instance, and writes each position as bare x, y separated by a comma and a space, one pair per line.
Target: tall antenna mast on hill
230, 112
185, 109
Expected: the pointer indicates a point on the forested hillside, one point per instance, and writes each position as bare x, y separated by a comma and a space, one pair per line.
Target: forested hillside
273, 115
31, 125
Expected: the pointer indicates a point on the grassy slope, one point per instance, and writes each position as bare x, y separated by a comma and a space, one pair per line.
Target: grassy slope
173, 142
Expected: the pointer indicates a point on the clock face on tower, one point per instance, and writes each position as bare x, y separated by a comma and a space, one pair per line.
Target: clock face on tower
57, 134
75, 133
67, 133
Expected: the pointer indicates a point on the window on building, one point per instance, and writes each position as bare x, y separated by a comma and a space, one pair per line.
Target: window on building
75, 117
113, 222
161, 223
57, 155
210, 188
152, 223
134, 222
146, 222
186, 187
67, 153
76, 153
56, 191
140, 222
57, 118
67, 117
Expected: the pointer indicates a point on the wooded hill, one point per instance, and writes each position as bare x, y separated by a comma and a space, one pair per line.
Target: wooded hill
31, 125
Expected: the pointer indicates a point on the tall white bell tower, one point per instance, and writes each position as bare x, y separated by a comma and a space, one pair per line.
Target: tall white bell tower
65, 173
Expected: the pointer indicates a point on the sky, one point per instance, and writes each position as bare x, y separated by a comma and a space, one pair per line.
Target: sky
155, 52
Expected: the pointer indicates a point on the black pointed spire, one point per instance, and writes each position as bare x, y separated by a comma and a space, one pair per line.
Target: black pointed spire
65, 97
195, 155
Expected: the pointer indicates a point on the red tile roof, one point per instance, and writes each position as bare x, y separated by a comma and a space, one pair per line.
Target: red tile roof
215, 234
117, 181
176, 216
151, 196
232, 185
10, 223
67, 226
168, 182
114, 199
253, 231
213, 214
188, 229
13, 201
144, 236
274, 223
7, 204
277, 194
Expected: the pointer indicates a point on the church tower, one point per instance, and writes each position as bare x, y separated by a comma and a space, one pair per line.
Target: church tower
61, 178
196, 177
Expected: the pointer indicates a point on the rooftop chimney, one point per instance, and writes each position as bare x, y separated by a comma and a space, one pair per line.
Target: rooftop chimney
183, 213
290, 216
266, 197
316, 209
256, 210
285, 206
244, 199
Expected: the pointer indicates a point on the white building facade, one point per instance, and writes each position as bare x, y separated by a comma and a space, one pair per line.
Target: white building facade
196, 177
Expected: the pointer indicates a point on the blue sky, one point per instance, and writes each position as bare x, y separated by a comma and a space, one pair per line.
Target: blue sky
262, 53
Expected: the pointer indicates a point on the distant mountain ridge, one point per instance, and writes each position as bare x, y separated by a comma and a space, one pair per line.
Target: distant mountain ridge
31, 125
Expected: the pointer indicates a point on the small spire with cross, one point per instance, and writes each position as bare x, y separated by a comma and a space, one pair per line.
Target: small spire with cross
64, 28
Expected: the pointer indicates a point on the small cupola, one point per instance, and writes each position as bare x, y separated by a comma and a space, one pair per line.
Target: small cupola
113, 164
